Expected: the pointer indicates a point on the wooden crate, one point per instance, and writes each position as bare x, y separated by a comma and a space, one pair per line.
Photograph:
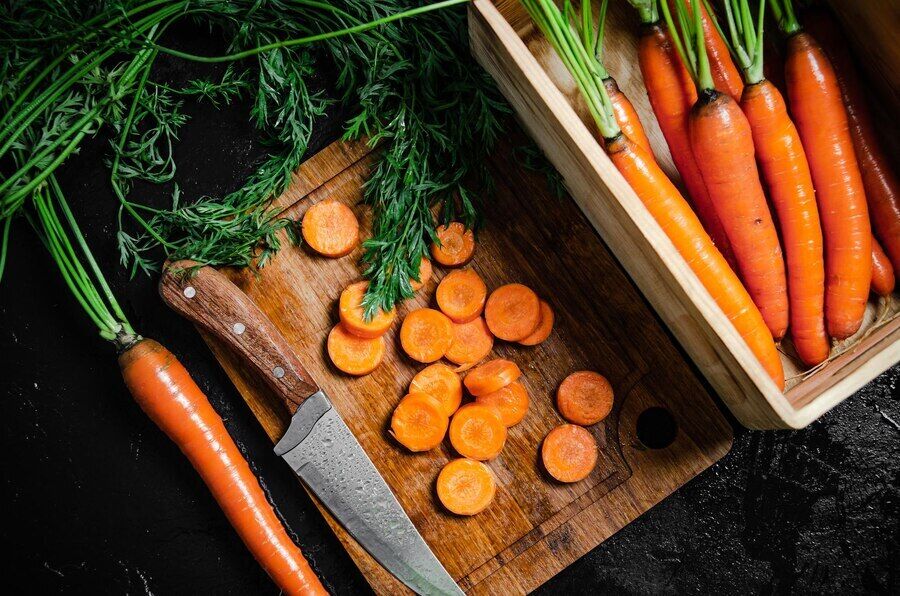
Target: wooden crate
545, 97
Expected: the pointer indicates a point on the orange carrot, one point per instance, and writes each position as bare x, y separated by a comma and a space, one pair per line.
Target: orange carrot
472, 342
423, 276
679, 223
726, 76
351, 312
419, 422
544, 328
569, 453
815, 101
722, 143
626, 115
513, 312
466, 486
166, 393
883, 279
461, 295
491, 376
440, 382
477, 431
455, 246
352, 354
512, 402
584, 398
786, 171
672, 93
426, 335
879, 180
331, 229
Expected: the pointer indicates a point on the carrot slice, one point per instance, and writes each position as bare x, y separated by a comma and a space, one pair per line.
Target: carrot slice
419, 422
512, 401
513, 312
472, 342
455, 246
461, 295
491, 376
352, 316
424, 274
477, 431
331, 229
352, 354
544, 328
569, 453
585, 398
426, 335
466, 486
440, 382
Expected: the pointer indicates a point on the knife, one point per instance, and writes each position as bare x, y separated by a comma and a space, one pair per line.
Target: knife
317, 445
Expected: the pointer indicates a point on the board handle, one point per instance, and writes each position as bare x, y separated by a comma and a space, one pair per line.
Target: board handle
211, 301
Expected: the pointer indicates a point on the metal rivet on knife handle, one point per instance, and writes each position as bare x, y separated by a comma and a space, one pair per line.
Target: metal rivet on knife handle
238, 328
190, 292
278, 372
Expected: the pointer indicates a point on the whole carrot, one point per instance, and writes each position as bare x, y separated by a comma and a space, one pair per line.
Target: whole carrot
662, 200
671, 92
879, 180
722, 142
168, 395
815, 101
786, 173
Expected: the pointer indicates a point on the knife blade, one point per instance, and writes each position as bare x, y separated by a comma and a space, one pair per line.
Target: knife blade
317, 445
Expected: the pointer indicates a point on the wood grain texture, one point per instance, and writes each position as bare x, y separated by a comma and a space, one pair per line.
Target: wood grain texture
534, 527
545, 97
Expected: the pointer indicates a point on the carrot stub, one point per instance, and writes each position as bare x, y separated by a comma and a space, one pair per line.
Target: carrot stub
424, 275
440, 382
352, 354
331, 229
466, 486
491, 376
419, 422
544, 328
472, 342
512, 402
513, 312
455, 246
461, 295
584, 397
569, 453
883, 280
352, 314
477, 431
426, 335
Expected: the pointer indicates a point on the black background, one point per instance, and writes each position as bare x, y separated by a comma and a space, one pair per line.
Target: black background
96, 500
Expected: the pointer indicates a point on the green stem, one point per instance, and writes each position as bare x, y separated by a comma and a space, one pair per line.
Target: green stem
745, 39
312, 38
4, 244
648, 11
783, 11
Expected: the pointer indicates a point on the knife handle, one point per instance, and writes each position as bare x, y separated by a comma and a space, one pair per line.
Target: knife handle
210, 300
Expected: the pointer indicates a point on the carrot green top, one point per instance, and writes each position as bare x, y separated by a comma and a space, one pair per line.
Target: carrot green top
745, 38
687, 36
783, 10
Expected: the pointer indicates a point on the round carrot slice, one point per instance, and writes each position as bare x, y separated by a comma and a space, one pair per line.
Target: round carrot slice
491, 376
455, 245
512, 401
424, 274
331, 229
440, 382
352, 354
419, 422
466, 486
461, 295
472, 342
544, 328
569, 453
477, 431
513, 312
426, 334
352, 314
584, 398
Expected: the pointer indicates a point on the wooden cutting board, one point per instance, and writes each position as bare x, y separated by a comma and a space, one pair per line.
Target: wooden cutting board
535, 527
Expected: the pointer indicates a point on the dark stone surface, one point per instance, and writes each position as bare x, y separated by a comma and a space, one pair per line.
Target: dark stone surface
97, 500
